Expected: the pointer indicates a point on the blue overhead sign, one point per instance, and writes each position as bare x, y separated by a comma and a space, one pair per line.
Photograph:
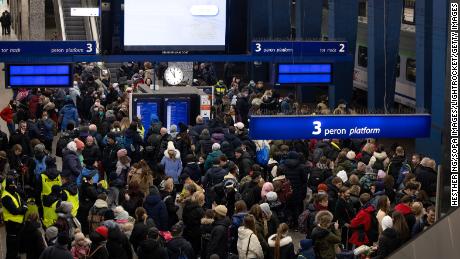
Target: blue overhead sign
339, 126
59, 75
61, 48
299, 48
304, 73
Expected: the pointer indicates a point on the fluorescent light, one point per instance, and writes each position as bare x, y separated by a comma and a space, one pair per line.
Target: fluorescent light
84, 11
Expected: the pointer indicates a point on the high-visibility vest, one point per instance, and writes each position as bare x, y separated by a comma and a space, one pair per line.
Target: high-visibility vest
47, 184
75, 202
49, 215
7, 216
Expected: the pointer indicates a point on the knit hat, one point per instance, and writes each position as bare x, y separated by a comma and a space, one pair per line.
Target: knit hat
239, 125
351, 155
381, 174
272, 196
122, 215
79, 143
266, 209
171, 146
72, 146
343, 175
215, 146
39, 148
221, 210
387, 222
121, 153
51, 232
103, 231
322, 187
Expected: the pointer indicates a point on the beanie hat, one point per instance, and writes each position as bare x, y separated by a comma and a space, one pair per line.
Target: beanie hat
239, 125
381, 174
322, 187
272, 196
103, 231
387, 222
121, 153
221, 210
39, 148
66, 207
51, 232
343, 175
171, 146
351, 155
215, 146
72, 146
266, 209
80, 145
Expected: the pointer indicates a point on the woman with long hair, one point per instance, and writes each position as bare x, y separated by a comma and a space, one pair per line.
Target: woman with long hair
142, 174
261, 228
281, 246
383, 208
401, 227
248, 244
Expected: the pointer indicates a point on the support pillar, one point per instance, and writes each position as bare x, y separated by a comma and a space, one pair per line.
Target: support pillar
309, 15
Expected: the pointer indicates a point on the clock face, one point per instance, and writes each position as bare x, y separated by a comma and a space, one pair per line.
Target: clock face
174, 75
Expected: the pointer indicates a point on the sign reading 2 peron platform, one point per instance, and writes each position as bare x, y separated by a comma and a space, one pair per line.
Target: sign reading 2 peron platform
61, 48
299, 48
339, 126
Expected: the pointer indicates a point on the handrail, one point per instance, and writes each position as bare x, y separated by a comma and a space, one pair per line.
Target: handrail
61, 18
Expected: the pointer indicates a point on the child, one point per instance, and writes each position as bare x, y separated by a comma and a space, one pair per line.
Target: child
80, 245
306, 250
206, 228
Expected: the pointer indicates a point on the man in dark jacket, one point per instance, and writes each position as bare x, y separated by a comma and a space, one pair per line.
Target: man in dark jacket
109, 155
243, 161
59, 250
156, 209
118, 244
91, 150
71, 165
152, 247
178, 246
218, 243
396, 162
214, 176
4, 141
426, 175
21, 137
243, 106
47, 129
196, 130
297, 174
133, 142
192, 169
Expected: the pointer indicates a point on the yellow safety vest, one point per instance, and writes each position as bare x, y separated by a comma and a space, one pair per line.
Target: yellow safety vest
75, 202
47, 184
49, 215
7, 216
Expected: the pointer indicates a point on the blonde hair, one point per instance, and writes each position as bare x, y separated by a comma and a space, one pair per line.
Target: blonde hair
198, 197
124, 123
417, 208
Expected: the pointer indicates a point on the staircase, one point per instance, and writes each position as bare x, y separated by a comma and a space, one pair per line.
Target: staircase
74, 26
113, 67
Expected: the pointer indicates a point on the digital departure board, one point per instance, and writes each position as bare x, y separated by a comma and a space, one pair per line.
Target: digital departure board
30, 76
304, 73
177, 110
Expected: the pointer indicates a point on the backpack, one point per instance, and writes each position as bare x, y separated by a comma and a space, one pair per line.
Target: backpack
373, 234
317, 154
303, 221
263, 155
316, 177
283, 189
378, 164
62, 143
248, 195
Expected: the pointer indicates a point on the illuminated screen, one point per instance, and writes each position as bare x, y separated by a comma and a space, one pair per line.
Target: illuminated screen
39, 76
304, 73
177, 111
147, 110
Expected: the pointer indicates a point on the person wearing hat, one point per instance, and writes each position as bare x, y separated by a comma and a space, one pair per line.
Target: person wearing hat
98, 249
71, 165
171, 162
109, 154
215, 154
218, 243
178, 245
389, 239
59, 250
50, 203
151, 247
14, 210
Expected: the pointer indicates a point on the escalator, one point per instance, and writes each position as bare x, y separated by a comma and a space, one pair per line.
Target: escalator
74, 26
442, 240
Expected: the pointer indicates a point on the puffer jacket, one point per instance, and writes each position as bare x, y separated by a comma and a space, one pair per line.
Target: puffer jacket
324, 240
172, 167
297, 174
248, 245
156, 209
361, 225
382, 156
71, 165
68, 113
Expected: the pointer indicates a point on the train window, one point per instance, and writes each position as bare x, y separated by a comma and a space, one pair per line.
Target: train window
411, 70
362, 56
362, 10
398, 66
409, 12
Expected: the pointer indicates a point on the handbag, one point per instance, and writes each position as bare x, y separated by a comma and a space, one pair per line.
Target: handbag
247, 249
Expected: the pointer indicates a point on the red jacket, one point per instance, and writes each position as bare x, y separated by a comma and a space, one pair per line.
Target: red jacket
7, 114
403, 209
361, 221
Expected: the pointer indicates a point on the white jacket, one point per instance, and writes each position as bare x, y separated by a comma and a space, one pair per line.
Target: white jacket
255, 249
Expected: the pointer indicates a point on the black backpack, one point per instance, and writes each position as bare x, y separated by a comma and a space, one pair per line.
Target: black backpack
62, 143
378, 165
373, 234
247, 195
317, 176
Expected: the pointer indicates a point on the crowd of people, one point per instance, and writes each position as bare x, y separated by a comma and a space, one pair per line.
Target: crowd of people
196, 191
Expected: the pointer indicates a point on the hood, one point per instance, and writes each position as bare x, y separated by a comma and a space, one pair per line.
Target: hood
152, 200
380, 156
403, 209
283, 242
390, 233
306, 244
318, 233
244, 233
149, 246
291, 162
368, 208
71, 187
222, 222
100, 204
52, 173
177, 153
68, 107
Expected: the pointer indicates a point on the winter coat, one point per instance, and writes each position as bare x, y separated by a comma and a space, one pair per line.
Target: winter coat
361, 225
237, 221
388, 242
172, 167
31, 239
344, 212
191, 215
7, 114
228, 150
395, 166
211, 158
71, 165
382, 156
86, 172
204, 145
118, 244
205, 230
136, 139
233, 140
248, 245
56, 251
244, 164
427, 178
218, 137
98, 246
407, 213
193, 170
46, 128
139, 232
306, 249
178, 246
109, 158
286, 247
23, 140
151, 248
68, 113
96, 214
213, 176
420, 225
325, 241
169, 198
297, 174
365, 157
136, 199
156, 209
92, 152
219, 238
4, 142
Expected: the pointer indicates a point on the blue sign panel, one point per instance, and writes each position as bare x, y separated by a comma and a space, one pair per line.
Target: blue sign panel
39, 75
177, 110
61, 48
147, 110
304, 74
299, 48
339, 126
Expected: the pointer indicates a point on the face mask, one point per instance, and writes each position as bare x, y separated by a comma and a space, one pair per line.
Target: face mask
45, 117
